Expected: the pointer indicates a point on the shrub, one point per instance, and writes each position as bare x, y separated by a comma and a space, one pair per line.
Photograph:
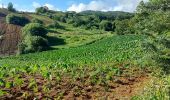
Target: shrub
55, 25
33, 44
34, 29
63, 19
41, 10
78, 22
16, 19
123, 27
106, 26
35, 20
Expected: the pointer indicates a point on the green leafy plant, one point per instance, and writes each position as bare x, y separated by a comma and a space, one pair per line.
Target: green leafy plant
16, 19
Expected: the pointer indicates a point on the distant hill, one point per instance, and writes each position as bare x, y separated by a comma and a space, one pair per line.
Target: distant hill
110, 14
69, 21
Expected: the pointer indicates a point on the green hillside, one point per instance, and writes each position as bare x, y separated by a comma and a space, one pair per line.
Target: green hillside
90, 55
107, 50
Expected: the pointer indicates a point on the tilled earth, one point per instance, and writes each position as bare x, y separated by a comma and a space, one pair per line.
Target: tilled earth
10, 38
35, 86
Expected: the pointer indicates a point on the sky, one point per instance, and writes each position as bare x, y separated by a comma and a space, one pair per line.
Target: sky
74, 5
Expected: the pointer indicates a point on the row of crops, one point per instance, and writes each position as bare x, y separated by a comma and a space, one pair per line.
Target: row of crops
112, 49
39, 82
57, 73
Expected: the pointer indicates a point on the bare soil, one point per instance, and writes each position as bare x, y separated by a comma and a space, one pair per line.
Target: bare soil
10, 38
123, 88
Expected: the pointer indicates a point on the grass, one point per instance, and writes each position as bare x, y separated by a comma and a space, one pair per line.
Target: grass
67, 40
45, 19
157, 89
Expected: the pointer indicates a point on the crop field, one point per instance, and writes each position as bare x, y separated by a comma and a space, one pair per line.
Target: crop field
76, 72
111, 49
54, 53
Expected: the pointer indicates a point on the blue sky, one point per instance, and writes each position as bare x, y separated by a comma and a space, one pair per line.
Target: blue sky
75, 5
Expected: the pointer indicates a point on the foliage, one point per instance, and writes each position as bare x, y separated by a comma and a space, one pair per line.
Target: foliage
35, 20
41, 10
153, 19
33, 40
55, 25
110, 15
77, 21
34, 29
122, 27
16, 19
106, 26
112, 49
157, 89
63, 19
33, 44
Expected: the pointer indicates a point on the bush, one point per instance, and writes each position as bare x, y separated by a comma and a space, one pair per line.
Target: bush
55, 25
33, 38
35, 20
33, 44
63, 19
106, 26
123, 27
16, 19
78, 22
41, 10
34, 29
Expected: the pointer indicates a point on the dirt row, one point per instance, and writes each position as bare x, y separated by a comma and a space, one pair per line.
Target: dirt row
122, 89
10, 38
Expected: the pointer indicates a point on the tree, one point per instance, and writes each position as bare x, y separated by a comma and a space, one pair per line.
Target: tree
156, 25
141, 7
10, 7
78, 21
34, 29
106, 26
42, 10
122, 27
33, 39
33, 44
16, 19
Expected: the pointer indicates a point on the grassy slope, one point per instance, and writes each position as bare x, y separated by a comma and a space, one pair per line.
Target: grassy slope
70, 36
104, 68
116, 48
106, 50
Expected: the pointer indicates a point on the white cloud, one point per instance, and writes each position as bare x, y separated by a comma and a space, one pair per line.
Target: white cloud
36, 4
106, 5
50, 6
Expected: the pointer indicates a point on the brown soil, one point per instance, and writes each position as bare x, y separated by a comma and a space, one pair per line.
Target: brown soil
121, 89
10, 39
10, 35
